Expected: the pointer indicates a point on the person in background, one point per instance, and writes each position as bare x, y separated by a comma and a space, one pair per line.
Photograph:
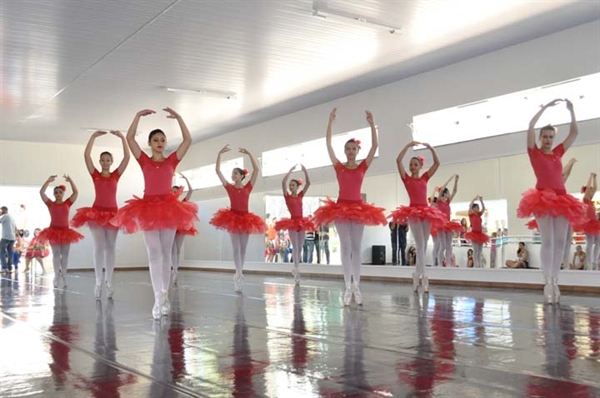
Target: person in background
470, 260
38, 250
412, 256
8, 239
493, 248
578, 259
522, 260
19, 248
309, 247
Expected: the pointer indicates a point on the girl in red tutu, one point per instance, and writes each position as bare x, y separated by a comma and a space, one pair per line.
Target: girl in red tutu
591, 224
296, 225
419, 215
349, 213
447, 230
549, 202
476, 235
237, 220
103, 210
181, 233
434, 236
58, 234
159, 213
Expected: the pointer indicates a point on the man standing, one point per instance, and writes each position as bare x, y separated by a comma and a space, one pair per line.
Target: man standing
8, 239
309, 247
323, 242
398, 237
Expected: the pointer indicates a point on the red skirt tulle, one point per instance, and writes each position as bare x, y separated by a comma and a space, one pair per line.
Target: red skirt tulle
451, 226
477, 237
358, 212
589, 228
97, 215
402, 214
533, 225
156, 212
192, 231
59, 236
295, 224
546, 202
238, 223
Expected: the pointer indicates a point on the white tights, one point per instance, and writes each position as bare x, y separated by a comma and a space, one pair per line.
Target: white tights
420, 230
553, 231
477, 249
60, 258
436, 250
176, 252
239, 243
104, 251
567, 255
159, 244
445, 238
350, 234
297, 238
592, 251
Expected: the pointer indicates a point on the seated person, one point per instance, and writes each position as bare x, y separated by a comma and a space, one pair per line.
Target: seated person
470, 261
522, 260
578, 259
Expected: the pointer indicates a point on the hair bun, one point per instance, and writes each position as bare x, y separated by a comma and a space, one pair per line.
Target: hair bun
300, 182
64, 188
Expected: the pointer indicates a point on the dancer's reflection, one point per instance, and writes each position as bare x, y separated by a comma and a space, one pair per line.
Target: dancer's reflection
63, 331
243, 368
594, 321
176, 338
478, 321
299, 341
559, 350
106, 380
161, 363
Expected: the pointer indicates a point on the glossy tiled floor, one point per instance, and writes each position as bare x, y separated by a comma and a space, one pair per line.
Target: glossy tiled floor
276, 340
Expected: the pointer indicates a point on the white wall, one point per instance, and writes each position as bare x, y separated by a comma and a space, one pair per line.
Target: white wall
30, 164
496, 168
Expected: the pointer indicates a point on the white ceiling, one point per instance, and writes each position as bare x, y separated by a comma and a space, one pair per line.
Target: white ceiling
69, 65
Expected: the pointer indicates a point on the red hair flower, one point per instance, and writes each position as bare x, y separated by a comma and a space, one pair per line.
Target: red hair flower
299, 180
357, 142
245, 171
421, 160
64, 188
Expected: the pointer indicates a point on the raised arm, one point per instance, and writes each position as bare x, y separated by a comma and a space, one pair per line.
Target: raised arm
75, 193
136, 151
185, 133
566, 171
454, 188
284, 182
218, 165
255, 167
306, 179
44, 187
573, 129
591, 187
189, 186
436, 160
374, 139
126, 154
330, 150
87, 154
482, 204
533, 122
472, 203
400, 158
446, 183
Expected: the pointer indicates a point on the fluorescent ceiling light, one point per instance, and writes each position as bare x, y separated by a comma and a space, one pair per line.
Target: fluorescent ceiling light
326, 14
204, 92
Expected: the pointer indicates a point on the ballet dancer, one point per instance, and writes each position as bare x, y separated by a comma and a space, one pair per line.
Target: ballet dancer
181, 233
159, 213
434, 236
591, 225
58, 234
446, 231
549, 202
420, 216
103, 210
237, 220
350, 213
476, 235
296, 225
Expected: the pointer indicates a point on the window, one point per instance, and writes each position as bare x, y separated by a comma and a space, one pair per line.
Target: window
313, 154
509, 113
205, 176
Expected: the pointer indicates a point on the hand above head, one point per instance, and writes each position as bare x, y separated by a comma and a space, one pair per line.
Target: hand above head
244, 151
171, 113
67, 177
52, 178
98, 133
225, 149
333, 114
145, 112
554, 102
569, 104
370, 119
117, 133
426, 145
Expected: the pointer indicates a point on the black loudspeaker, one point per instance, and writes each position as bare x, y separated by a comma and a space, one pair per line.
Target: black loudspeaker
378, 255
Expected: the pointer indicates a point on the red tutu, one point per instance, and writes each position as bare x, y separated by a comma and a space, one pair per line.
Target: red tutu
533, 225
97, 215
402, 215
59, 236
358, 212
156, 212
589, 228
238, 223
295, 224
192, 231
537, 203
451, 226
477, 237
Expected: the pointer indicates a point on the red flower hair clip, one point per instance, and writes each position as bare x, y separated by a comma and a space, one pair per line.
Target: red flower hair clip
357, 142
245, 171
63, 187
299, 180
421, 160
